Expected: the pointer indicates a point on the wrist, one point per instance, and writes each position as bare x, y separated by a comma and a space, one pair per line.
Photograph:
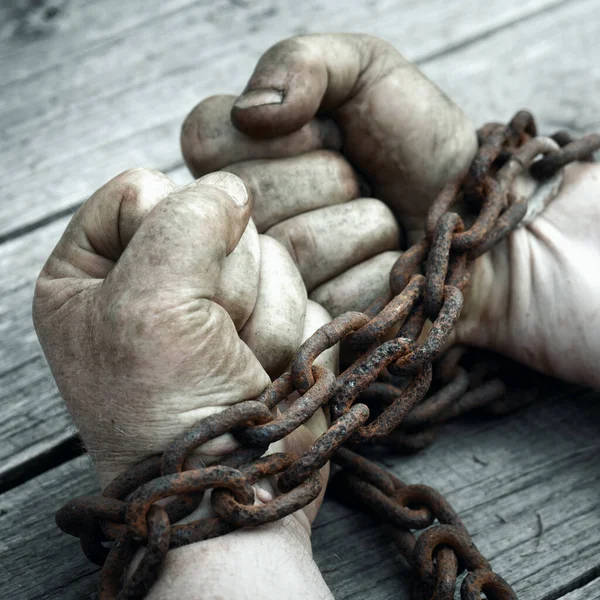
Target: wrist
484, 316
271, 561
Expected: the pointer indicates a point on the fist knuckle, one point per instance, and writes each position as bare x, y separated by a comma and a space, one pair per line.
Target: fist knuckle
378, 209
139, 174
288, 46
251, 174
202, 133
137, 182
296, 237
347, 177
40, 294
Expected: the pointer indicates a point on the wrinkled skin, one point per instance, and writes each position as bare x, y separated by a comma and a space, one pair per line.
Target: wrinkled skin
141, 320
150, 320
533, 298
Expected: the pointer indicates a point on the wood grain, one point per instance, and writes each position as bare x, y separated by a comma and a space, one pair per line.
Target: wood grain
525, 485
36, 559
500, 477
102, 86
109, 86
33, 419
548, 64
35, 424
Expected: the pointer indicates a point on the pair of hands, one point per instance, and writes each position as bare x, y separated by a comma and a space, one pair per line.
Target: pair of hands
160, 306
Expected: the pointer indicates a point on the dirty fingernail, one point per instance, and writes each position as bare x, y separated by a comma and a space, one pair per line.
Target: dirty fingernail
231, 184
263, 495
259, 97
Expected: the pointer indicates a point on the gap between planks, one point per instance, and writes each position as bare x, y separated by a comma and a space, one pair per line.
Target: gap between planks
549, 474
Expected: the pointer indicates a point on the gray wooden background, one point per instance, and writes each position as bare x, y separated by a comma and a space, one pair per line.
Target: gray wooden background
89, 88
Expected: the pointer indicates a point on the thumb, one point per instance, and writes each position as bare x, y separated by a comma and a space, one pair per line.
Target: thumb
300, 76
297, 77
182, 243
402, 132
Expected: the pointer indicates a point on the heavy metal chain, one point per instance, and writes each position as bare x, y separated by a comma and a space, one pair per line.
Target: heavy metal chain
379, 398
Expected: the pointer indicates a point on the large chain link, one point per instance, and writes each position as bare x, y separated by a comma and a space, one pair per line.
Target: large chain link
378, 398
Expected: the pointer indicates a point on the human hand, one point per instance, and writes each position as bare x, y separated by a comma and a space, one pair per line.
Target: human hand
395, 127
308, 198
407, 139
534, 296
141, 310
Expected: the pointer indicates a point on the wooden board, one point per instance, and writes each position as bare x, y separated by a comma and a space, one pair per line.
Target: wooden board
591, 591
91, 88
500, 476
36, 422
36, 559
526, 485
548, 64
109, 84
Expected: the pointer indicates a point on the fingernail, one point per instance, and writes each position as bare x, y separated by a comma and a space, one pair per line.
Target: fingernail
263, 495
259, 97
231, 184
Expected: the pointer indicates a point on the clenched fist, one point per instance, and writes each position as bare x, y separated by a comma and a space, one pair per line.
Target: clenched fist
159, 307
534, 297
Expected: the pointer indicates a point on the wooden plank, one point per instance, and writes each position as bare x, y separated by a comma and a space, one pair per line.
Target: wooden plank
499, 479
81, 29
591, 591
504, 476
37, 424
31, 544
34, 38
549, 65
33, 419
83, 104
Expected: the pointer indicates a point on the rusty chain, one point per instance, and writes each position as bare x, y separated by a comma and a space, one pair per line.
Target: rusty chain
379, 398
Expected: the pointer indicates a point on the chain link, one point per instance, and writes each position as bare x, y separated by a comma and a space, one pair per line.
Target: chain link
379, 398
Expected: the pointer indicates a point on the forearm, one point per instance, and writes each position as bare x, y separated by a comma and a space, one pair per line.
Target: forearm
273, 561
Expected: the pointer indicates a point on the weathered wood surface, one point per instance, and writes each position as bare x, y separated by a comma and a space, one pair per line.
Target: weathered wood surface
110, 88
591, 591
548, 64
545, 57
526, 486
33, 419
107, 86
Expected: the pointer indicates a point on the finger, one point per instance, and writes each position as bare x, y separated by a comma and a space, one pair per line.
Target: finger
274, 331
298, 442
327, 241
238, 285
398, 127
357, 287
157, 317
104, 225
209, 141
284, 188
297, 77
302, 438
317, 316
302, 75
181, 245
